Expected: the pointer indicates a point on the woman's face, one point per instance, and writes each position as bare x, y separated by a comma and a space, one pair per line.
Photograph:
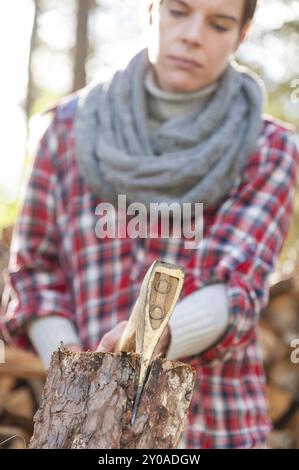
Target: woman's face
203, 32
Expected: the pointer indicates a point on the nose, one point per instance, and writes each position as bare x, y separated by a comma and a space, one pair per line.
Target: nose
193, 32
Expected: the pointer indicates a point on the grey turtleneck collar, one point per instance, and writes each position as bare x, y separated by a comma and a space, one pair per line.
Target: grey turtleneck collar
163, 105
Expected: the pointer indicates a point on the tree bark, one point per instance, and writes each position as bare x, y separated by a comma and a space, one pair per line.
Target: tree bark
88, 399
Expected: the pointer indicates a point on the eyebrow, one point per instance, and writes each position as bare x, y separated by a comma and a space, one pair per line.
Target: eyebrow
184, 4
227, 17
218, 16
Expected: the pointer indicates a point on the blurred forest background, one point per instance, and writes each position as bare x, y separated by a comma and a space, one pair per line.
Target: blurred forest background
50, 48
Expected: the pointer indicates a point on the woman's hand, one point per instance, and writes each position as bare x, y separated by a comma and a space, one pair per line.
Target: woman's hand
75, 347
110, 339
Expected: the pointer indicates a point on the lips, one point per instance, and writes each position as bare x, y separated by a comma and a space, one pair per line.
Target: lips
185, 63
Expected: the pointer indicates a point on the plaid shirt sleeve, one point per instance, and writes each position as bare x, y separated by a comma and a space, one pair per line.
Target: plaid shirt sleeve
35, 281
244, 242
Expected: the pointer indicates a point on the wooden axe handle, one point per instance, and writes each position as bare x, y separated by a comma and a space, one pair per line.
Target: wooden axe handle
153, 308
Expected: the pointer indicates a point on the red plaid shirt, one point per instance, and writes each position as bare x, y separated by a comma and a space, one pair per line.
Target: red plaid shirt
58, 266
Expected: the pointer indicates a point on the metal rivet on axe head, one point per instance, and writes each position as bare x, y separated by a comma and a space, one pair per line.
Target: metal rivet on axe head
156, 312
162, 286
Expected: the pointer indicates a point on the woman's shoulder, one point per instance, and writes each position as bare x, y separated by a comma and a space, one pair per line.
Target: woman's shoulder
278, 140
275, 130
65, 109
277, 147
57, 142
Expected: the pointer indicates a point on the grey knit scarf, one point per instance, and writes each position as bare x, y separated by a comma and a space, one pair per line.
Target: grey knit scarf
195, 157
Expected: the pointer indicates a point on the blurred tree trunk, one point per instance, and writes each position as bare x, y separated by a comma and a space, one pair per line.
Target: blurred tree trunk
81, 49
33, 43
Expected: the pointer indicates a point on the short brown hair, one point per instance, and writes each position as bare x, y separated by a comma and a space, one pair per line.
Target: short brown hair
249, 10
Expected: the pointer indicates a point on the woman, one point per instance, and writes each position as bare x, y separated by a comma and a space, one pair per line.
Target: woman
181, 123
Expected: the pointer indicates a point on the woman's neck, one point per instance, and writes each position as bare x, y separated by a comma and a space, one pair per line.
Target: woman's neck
163, 105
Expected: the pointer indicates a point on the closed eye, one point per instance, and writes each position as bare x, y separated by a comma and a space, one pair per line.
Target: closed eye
219, 28
177, 13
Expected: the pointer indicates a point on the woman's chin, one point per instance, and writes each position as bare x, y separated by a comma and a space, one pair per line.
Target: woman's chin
183, 82
183, 87
178, 81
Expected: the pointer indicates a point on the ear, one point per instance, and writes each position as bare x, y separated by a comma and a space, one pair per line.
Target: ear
243, 34
150, 12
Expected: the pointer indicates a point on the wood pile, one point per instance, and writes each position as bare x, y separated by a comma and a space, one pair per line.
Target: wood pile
279, 335
22, 375
21, 381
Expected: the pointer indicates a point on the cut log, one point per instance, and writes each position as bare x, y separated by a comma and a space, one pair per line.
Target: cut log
293, 427
88, 398
279, 402
19, 403
283, 315
4, 258
281, 440
281, 287
21, 364
285, 375
11, 419
6, 235
12, 437
6, 386
274, 348
7, 383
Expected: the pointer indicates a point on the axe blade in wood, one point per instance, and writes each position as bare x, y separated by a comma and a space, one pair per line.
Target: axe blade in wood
159, 293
